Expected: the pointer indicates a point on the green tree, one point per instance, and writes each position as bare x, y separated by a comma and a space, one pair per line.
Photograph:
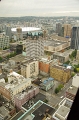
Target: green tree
6, 79
1, 59
56, 90
72, 74
77, 69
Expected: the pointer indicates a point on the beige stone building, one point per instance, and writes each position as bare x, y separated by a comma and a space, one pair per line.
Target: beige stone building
60, 73
16, 83
30, 68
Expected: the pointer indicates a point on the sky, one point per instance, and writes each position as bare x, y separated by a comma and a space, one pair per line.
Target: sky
18, 8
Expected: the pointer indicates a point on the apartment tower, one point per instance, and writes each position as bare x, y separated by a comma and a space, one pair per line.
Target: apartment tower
75, 38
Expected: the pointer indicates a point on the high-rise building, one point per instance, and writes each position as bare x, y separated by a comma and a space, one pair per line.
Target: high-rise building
4, 41
34, 48
8, 31
59, 28
67, 30
75, 38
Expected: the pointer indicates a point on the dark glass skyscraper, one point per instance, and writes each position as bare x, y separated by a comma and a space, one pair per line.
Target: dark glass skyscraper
75, 38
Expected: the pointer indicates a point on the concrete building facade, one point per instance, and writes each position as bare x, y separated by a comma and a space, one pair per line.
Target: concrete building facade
30, 68
4, 41
62, 57
34, 48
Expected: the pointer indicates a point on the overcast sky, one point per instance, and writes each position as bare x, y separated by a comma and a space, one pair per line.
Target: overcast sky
15, 8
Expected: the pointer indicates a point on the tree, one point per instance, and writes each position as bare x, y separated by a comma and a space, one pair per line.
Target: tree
56, 90
77, 69
67, 62
0, 58
6, 79
72, 74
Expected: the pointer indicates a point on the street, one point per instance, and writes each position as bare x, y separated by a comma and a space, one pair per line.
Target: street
54, 99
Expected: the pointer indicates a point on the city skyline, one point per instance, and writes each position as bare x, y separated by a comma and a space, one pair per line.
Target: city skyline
13, 8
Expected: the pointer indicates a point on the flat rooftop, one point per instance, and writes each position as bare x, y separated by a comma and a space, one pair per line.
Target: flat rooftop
25, 92
43, 109
35, 99
4, 112
18, 58
17, 115
66, 53
56, 37
38, 111
72, 90
63, 111
53, 43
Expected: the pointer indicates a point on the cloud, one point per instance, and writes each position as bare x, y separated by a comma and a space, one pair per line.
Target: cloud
38, 7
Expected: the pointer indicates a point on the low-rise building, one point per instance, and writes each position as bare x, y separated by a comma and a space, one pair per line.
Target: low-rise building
47, 84
60, 73
63, 110
39, 111
44, 65
30, 68
16, 83
72, 90
56, 37
55, 45
25, 96
62, 57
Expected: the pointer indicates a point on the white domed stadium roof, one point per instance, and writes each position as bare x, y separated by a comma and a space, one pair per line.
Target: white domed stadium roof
26, 29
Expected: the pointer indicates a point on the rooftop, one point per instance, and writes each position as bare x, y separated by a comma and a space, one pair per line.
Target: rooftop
56, 37
53, 43
66, 53
42, 110
18, 58
4, 112
17, 115
38, 97
38, 111
26, 29
26, 91
63, 111
66, 102
72, 90
61, 67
